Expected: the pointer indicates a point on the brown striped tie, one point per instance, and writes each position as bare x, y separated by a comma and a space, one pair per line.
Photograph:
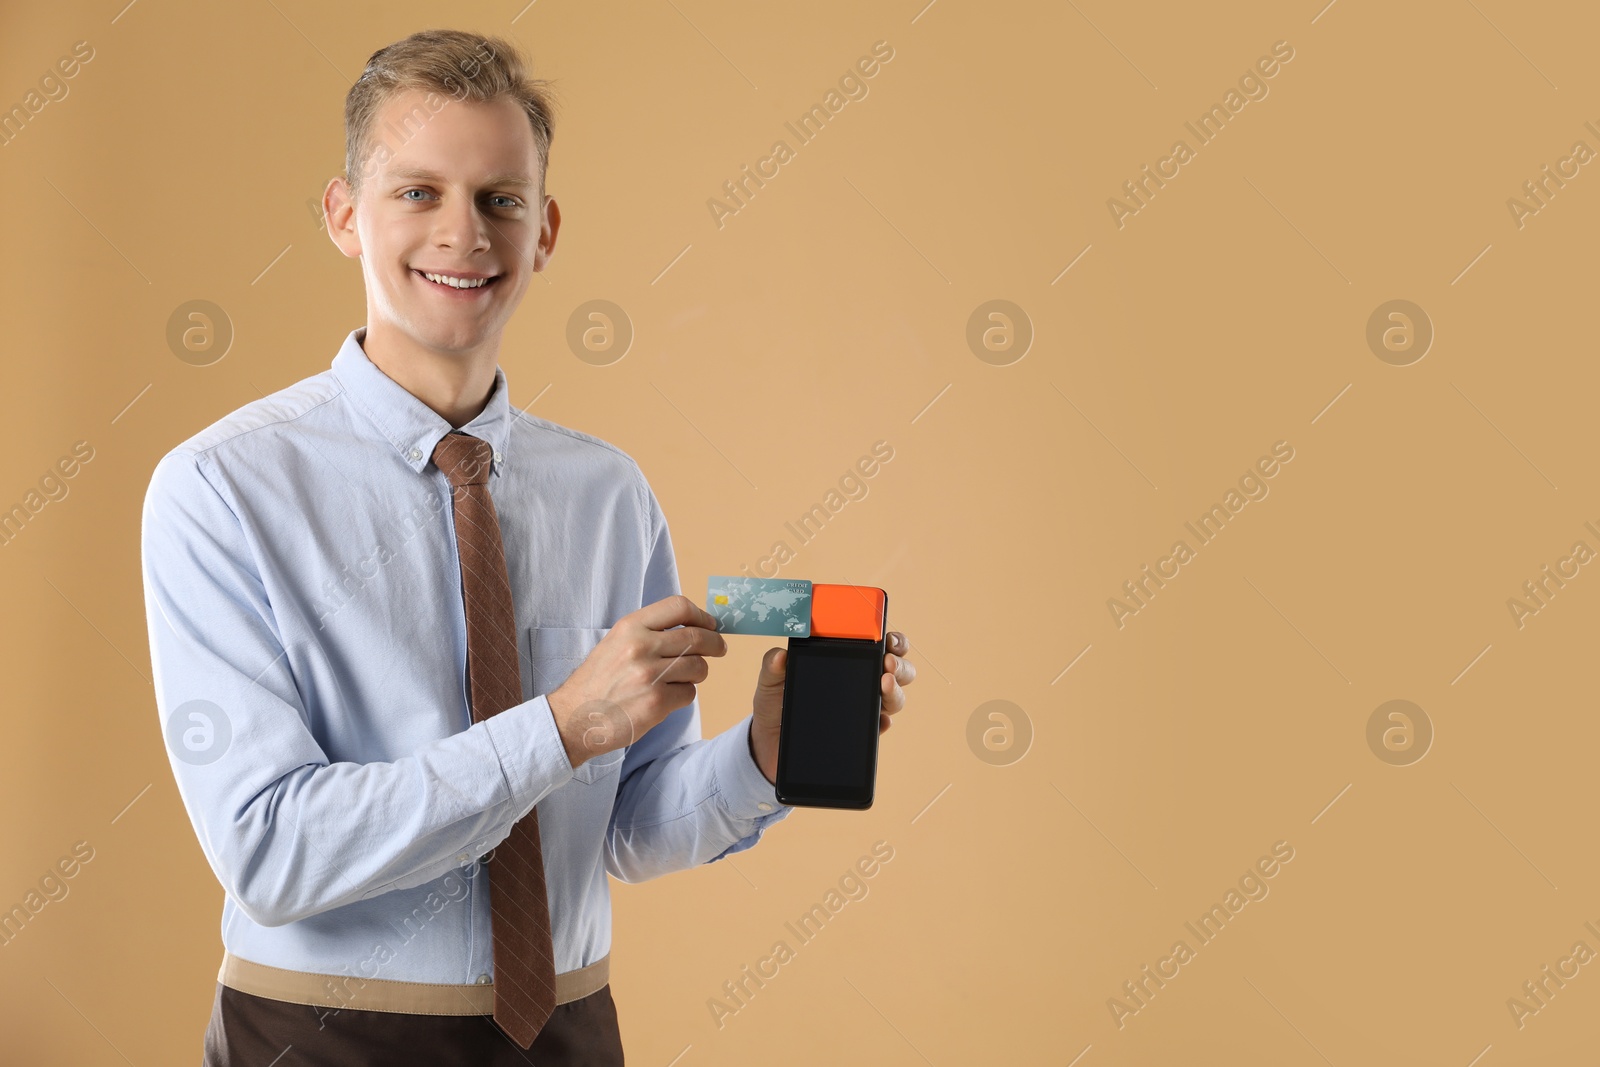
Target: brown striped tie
524, 957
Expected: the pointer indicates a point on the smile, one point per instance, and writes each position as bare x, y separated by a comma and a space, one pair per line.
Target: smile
456, 282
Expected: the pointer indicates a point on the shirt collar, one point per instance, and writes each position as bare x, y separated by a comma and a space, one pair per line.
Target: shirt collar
411, 426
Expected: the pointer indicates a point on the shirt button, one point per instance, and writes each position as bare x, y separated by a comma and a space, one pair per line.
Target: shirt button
483, 979
415, 453
764, 806
497, 457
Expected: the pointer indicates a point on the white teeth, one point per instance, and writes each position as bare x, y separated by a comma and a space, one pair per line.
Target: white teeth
457, 283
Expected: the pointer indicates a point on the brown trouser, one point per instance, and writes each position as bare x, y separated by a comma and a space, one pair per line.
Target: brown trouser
251, 1031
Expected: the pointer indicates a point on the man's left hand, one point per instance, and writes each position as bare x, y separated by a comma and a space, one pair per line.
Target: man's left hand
897, 672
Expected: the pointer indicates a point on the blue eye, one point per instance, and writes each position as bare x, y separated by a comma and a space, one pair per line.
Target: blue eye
511, 202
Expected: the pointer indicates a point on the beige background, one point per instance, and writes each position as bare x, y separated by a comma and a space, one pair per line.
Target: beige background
831, 312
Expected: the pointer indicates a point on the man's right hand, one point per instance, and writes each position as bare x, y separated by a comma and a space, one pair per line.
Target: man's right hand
641, 671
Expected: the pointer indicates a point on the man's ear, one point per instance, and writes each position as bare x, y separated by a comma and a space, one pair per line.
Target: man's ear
339, 215
549, 227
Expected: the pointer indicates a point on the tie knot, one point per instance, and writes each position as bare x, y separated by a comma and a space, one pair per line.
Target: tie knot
463, 458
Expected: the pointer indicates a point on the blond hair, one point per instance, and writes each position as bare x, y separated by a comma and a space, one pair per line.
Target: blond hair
467, 66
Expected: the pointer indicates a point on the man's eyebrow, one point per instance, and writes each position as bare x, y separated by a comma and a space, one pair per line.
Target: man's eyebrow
428, 175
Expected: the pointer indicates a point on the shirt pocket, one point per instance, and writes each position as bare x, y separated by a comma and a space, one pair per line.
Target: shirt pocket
549, 656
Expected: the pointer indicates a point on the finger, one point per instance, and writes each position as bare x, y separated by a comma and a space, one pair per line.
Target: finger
703, 641
901, 668
676, 610
883, 723
773, 668
898, 642
681, 640
894, 698
680, 669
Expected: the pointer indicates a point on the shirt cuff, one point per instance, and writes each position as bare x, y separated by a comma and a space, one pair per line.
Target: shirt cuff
745, 791
532, 755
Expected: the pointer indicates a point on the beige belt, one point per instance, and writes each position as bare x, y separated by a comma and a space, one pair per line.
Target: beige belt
334, 991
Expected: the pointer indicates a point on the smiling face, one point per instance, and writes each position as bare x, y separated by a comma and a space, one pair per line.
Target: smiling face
460, 201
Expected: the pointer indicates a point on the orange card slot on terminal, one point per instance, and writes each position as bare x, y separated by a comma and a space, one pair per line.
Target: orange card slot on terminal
847, 611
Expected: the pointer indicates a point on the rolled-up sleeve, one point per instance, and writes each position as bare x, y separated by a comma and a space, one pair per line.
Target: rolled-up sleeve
287, 833
684, 800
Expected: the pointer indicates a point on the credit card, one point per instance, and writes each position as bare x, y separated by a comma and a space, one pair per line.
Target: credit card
774, 607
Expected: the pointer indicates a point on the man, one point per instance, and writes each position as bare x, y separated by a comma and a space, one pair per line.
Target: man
422, 661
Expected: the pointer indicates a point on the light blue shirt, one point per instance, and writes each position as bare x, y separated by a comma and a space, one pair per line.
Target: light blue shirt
303, 595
